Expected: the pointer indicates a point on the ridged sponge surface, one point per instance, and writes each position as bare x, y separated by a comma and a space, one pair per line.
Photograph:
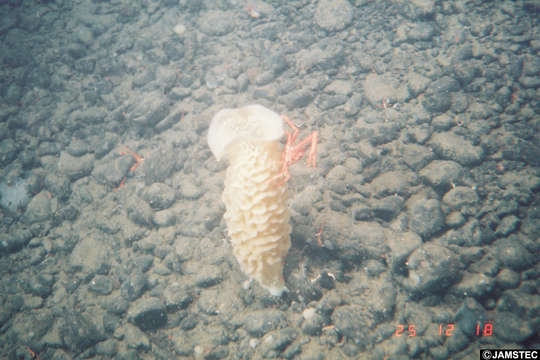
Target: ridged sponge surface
256, 213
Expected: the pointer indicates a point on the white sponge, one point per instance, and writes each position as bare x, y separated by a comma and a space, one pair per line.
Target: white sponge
255, 198
248, 123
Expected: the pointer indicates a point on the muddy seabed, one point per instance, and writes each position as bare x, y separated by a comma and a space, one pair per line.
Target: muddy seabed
417, 235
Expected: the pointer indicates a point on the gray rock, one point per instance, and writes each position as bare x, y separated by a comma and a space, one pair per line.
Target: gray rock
115, 304
454, 147
438, 96
470, 234
78, 147
297, 99
477, 285
508, 225
401, 246
15, 240
354, 323
354, 240
442, 174
522, 150
140, 212
515, 329
386, 208
78, 333
40, 208
379, 88
134, 286
264, 78
507, 279
277, 341
425, 216
209, 302
455, 219
106, 348
417, 156
374, 290
149, 110
176, 297
260, 322
333, 15
376, 133
418, 9
323, 55
174, 49
92, 115
144, 77
393, 182
90, 254
164, 218
432, 269
514, 255
466, 72
159, 196
101, 284
135, 339
58, 185
41, 285
313, 324
113, 171
75, 167
160, 163
529, 82
148, 314
462, 198
208, 275
216, 23
443, 122
326, 102
422, 31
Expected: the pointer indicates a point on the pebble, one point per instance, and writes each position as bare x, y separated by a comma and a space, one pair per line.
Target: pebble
176, 297
77, 332
393, 182
461, 198
512, 254
354, 323
454, 147
134, 286
164, 218
442, 174
432, 268
148, 314
101, 285
515, 329
159, 196
216, 23
40, 208
259, 322
333, 15
75, 167
425, 216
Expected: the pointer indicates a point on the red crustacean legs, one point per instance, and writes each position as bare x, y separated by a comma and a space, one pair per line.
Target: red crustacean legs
292, 153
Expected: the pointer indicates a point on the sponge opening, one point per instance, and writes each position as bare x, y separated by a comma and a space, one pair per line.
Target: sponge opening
249, 123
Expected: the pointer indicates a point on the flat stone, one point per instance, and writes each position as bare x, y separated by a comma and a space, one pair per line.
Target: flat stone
148, 314
455, 147
260, 322
75, 167
333, 15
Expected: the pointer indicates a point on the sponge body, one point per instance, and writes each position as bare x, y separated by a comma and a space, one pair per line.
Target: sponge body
257, 214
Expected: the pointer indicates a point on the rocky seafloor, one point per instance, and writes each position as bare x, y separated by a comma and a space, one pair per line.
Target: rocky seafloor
417, 235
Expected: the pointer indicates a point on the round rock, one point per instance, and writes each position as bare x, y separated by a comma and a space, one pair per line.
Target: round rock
333, 15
